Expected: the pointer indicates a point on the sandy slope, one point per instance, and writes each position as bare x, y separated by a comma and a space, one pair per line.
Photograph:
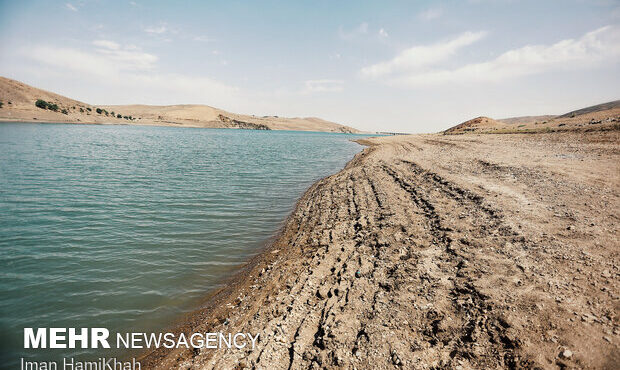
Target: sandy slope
432, 251
205, 116
589, 118
526, 119
22, 98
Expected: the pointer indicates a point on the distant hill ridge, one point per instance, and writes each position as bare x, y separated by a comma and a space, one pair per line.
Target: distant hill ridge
475, 124
18, 104
601, 116
595, 108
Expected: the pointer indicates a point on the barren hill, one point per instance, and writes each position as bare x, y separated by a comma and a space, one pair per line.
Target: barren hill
612, 105
597, 117
475, 125
526, 119
18, 104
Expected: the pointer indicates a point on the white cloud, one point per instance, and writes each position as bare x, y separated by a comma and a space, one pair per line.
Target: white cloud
430, 14
383, 33
203, 38
313, 86
107, 44
126, 67
128, 57
592, 49
71, 7
360, 30
157, 30
421, 56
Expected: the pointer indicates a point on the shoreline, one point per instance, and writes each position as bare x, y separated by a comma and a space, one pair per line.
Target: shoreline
214, 302
177, 125
425, 240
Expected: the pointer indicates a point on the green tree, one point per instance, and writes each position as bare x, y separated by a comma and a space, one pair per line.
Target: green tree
64, 111
52, 106
119, 116
40, 103
99, 110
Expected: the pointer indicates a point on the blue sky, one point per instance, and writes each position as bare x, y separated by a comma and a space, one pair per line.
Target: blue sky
410, 66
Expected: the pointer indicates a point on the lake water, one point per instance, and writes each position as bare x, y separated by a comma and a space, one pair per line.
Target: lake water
127, 227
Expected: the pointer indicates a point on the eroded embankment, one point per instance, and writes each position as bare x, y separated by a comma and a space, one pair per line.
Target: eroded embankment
428, 251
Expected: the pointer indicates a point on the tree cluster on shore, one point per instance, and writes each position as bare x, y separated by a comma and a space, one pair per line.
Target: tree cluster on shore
113, 114
40, 103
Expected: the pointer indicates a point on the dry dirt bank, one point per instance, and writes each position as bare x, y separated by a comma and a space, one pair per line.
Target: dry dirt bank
430, 251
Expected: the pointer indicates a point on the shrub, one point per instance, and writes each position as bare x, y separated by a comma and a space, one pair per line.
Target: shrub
99, 110
64, 111
81, 110
88, 109
112, 114
1, 103
119, 116
40, 103
52, 106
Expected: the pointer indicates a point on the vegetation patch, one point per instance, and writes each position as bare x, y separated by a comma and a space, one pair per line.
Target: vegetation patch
40, 103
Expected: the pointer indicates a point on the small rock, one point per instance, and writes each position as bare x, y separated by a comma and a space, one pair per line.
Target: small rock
395, 359
567, 353
358, 274
606, 273
608, 339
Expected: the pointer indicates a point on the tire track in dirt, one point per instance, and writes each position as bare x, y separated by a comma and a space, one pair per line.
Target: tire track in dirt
391, 263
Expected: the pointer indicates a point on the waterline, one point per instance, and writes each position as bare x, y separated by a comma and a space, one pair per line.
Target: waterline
127, 227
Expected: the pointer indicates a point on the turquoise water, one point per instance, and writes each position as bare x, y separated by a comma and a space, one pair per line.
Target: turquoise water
127, 227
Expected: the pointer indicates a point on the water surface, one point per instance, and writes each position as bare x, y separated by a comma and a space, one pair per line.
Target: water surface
127, 227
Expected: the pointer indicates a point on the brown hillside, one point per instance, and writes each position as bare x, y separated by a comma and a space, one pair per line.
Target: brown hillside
19, 105
526, 119
597, 117
478, 124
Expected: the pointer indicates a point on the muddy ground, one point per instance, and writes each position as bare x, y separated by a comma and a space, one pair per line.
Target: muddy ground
432, 251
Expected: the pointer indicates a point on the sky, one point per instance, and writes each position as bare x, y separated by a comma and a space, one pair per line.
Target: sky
397, 66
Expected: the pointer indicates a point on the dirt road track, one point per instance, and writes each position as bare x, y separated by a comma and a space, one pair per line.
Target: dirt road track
431, 251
